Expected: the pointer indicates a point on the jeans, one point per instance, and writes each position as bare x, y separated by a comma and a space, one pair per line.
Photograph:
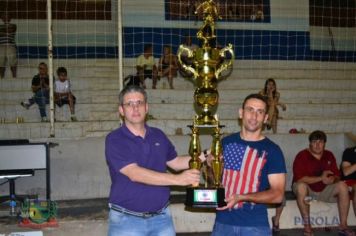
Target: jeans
41, 97
128, 225
231, 230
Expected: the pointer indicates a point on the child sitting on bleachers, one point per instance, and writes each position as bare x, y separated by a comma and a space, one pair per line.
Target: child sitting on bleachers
63, 93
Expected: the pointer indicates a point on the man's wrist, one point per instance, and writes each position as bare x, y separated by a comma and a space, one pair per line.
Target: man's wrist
204, 155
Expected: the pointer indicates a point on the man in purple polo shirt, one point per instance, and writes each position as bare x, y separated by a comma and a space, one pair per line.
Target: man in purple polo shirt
137, 156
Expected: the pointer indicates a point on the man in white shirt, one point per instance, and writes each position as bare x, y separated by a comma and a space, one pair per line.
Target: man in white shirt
146, 67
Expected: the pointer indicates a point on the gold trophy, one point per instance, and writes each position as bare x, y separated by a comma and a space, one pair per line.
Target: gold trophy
206, 68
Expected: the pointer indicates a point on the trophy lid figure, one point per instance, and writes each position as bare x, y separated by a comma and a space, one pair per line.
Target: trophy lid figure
210, 13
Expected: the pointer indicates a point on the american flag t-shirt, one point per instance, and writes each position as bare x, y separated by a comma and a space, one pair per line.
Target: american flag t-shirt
242, 169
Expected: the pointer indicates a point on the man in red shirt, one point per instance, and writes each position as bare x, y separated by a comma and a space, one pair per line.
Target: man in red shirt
316, 175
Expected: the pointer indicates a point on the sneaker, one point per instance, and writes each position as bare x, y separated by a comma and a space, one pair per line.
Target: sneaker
73, 118
25, 105
346, 232
44, 119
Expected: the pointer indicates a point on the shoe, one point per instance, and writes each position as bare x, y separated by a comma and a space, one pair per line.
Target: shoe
44, 119
346, 232
73, 118
25, 105
275, 228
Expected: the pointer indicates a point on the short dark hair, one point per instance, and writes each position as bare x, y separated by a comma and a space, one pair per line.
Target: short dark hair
256, 96
131, 89
146, 47
42, 64
61, 70
317, 135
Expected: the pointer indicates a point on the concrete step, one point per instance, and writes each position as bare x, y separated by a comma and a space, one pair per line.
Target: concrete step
236, 96
87, 84
67, 130
111, 80
165, 111
322, 215
242, 68
262, 69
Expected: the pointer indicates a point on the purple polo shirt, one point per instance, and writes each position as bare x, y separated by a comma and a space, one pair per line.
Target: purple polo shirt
152, 152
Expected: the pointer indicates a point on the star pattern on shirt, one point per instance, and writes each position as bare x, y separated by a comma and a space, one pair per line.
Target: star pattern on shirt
233, 156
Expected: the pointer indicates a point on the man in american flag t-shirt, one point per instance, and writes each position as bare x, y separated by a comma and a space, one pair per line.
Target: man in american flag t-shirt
253, 176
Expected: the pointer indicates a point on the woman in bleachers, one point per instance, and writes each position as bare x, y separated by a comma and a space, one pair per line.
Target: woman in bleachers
272, 95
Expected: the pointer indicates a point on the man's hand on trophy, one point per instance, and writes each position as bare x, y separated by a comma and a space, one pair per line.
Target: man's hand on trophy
231, 202
204, 155
189, 177
208, 157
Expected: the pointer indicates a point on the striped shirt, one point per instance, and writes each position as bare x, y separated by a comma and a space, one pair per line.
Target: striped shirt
7, 34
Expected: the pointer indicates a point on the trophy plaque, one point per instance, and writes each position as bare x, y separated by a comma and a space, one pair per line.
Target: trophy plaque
207, 65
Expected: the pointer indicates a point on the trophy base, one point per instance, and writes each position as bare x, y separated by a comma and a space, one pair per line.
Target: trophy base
205, 197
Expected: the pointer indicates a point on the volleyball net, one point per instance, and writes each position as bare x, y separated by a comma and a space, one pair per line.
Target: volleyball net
315, 30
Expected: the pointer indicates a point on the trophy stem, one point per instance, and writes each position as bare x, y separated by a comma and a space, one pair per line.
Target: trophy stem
216, 150
195, 150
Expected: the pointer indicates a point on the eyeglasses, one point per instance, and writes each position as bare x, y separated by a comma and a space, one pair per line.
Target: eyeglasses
317, 141
134, 104
252, 111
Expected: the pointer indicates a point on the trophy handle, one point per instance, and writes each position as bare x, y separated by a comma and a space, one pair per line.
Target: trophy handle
190, 53
226, 62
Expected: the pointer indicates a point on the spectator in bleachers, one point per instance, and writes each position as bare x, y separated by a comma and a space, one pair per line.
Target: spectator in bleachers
168, 65
7, 46
348, 169
146, 66
40, 89
316, 176
63, 92
271, 93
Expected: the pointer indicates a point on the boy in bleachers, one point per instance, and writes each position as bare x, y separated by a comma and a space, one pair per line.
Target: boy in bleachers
63, 93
